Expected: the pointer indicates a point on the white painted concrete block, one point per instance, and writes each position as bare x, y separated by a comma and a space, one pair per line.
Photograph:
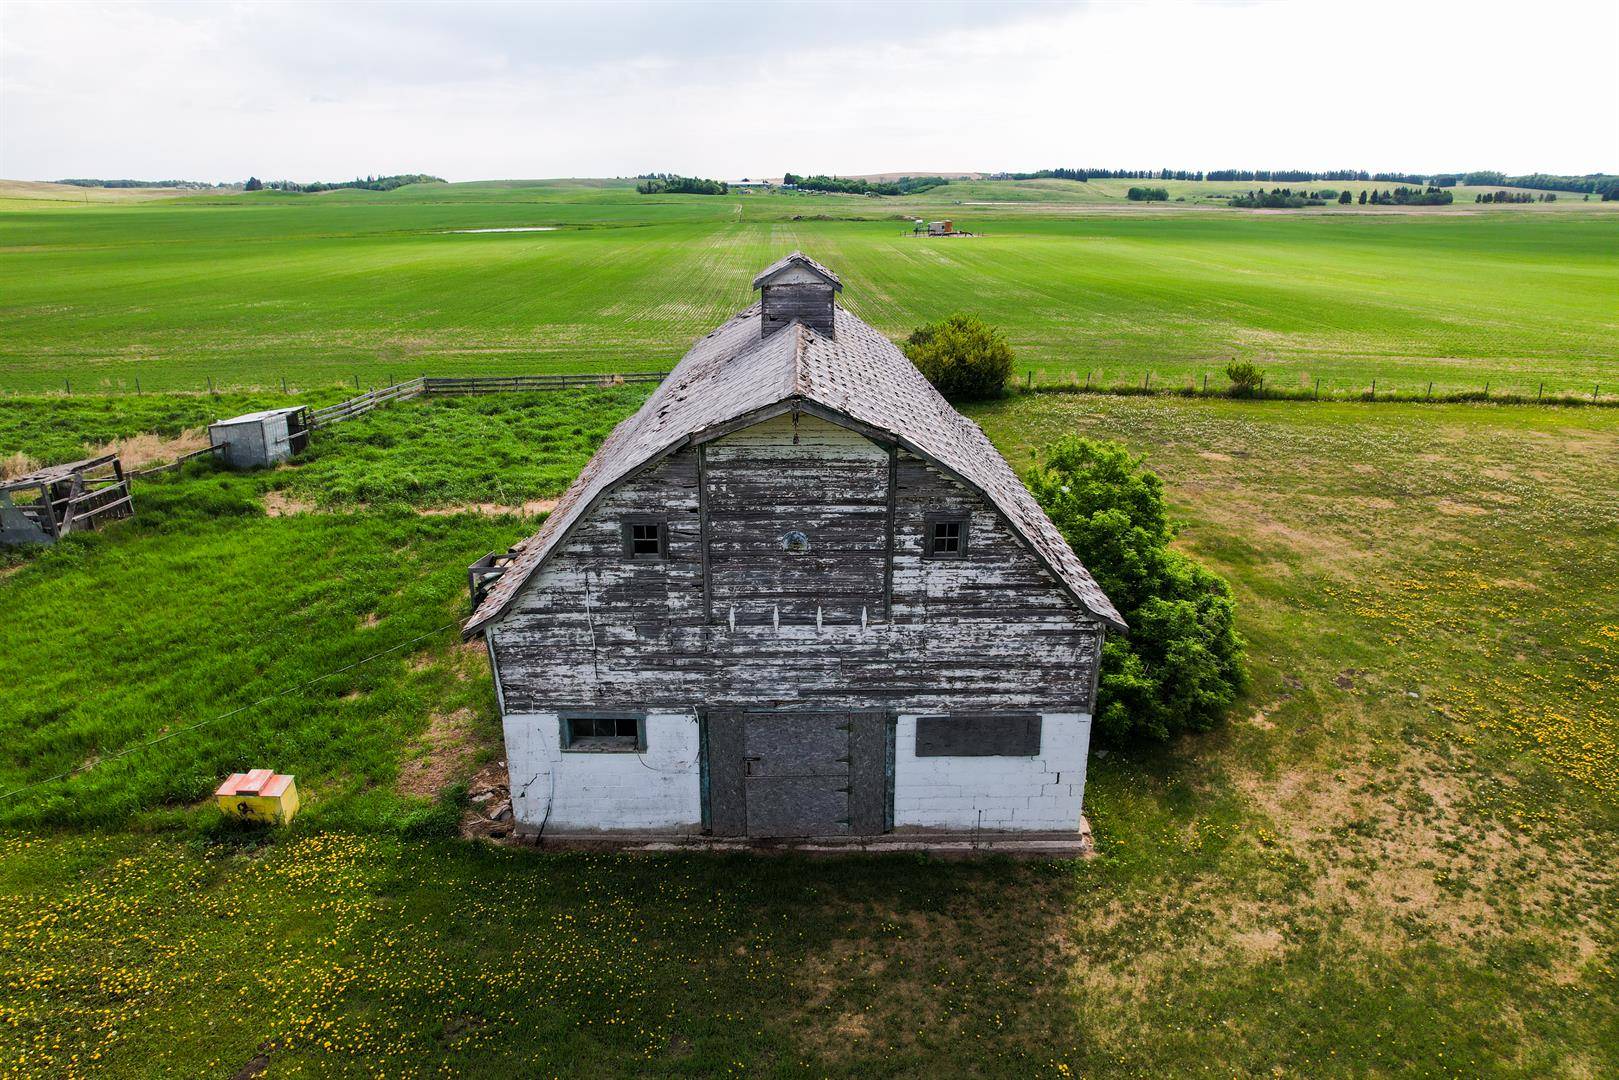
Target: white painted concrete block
655, 789
1046, 791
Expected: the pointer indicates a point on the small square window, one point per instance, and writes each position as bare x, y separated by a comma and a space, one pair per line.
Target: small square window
603, 734
945, 538
646, 538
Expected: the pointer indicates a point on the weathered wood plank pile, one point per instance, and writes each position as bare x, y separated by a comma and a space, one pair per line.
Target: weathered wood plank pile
50, 503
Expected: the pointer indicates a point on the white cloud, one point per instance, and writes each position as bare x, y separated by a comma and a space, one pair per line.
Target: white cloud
321, 91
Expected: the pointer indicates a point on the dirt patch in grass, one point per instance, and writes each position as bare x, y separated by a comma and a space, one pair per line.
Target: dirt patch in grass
446, 750
525, 509
281, 504
1399, 853
150, 448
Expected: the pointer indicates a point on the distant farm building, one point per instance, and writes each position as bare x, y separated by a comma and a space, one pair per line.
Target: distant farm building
796, 595
938, 228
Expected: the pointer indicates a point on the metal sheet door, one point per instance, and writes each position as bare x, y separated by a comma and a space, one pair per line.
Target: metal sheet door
796, 774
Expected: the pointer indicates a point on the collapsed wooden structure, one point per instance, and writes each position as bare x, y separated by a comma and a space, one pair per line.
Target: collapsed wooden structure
53, 502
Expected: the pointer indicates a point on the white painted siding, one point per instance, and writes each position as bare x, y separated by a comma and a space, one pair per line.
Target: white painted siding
1042, 792
658, 789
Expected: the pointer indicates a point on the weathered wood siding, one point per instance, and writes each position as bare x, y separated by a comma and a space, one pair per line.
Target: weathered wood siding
809, 303
989, 632
782, 477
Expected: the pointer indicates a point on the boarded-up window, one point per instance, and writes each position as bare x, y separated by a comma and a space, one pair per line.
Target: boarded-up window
978, 735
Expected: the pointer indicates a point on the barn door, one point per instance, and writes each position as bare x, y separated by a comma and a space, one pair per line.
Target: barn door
795, 769
798, 774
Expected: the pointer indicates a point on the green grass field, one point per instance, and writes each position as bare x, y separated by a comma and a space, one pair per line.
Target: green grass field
248, 290
1398, 857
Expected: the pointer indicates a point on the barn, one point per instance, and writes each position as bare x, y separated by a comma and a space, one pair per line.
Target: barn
797, 598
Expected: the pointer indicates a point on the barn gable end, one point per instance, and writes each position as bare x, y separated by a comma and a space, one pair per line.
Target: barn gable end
796, 595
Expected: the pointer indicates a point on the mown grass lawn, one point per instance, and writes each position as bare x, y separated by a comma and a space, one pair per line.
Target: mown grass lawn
249, 290
1398, 858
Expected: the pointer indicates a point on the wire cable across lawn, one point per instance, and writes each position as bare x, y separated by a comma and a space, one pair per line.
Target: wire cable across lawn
223, 716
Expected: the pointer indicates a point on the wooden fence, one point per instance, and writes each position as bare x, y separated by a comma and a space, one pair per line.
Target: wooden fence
470, 384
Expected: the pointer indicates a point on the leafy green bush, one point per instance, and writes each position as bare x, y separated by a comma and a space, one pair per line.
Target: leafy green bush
962, 356
1180, 667
1246, 379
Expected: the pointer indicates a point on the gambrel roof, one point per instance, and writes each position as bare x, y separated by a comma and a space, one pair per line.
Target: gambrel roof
733, 378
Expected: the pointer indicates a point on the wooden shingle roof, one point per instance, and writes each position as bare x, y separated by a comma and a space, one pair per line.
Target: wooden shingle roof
800, 259
857, 377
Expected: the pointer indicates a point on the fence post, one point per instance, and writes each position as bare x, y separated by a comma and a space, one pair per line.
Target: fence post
1087, 379
356, 380
1318, 388
1430, 391
1146, 381
137, 384
1205, 382
1486, 387
283, 384
1539, 392
67, 387
1594, 390
1374, 389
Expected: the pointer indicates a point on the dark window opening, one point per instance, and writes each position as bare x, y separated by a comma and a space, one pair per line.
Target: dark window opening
604, 734
645, 540
978, 735
946, 538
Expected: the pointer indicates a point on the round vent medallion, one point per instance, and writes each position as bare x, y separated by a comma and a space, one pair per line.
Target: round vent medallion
795, 543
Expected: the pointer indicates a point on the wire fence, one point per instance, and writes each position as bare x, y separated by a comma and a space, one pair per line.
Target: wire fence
1376, 390
1092, 381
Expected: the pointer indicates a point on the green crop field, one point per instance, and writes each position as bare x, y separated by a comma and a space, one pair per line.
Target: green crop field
1398, 857
248, 290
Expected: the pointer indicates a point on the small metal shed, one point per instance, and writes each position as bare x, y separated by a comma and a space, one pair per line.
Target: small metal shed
259, 439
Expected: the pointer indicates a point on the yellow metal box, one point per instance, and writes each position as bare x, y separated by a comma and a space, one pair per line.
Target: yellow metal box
260, 795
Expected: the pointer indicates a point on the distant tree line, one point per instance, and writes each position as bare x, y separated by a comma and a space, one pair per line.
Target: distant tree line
1082, 175
1605, 185
905, 185
1148, 194
1285, 198
1412, 196
1285, 176
193, 184
672, 184
370, 183
1515, 197
1280, 198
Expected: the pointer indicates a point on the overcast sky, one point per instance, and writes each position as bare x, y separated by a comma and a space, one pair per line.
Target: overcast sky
309, 91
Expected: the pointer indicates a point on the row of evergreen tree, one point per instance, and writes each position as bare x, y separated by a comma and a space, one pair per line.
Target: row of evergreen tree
661, 183
370, 183
905, 185
1605, 185
1282, 198
1516, 196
